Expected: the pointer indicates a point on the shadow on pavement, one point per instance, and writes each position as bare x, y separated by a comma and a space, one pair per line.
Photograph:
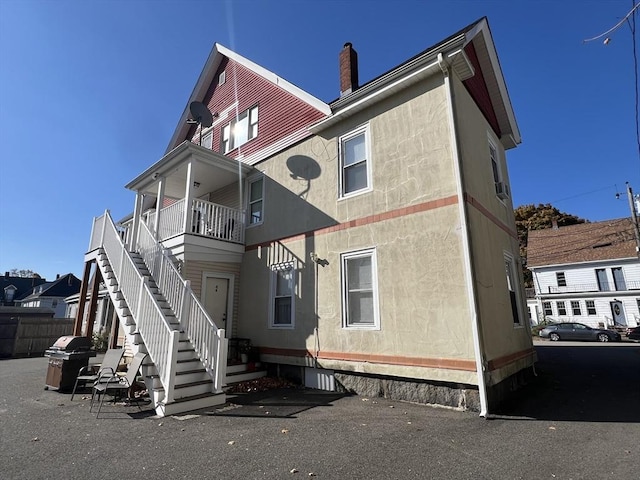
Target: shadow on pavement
582, 383
278, 403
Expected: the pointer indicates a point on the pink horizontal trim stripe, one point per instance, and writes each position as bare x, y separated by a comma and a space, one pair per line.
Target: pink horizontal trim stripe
484, 211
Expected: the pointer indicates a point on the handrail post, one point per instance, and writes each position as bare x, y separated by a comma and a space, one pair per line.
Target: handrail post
186, 305
104, 226
171, 366
140, 295
93, 232
221, 360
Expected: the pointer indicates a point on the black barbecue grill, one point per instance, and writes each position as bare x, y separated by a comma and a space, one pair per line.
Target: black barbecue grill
66, 357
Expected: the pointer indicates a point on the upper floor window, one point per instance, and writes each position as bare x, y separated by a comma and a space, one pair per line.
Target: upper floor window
618, 278
360, 290
242, 129
502, 189
256, 193
601, 277
222, 78
207, 139
282, 288
562, 281
355, 162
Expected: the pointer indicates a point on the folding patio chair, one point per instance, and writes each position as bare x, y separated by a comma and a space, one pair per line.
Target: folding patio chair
116, 384
109, 365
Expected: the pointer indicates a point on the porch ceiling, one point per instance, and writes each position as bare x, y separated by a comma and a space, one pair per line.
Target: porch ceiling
209, 169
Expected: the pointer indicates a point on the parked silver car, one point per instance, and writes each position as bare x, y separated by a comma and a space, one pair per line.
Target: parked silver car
578, 331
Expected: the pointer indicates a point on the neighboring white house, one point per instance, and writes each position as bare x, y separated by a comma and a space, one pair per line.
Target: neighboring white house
52, 294
587, 273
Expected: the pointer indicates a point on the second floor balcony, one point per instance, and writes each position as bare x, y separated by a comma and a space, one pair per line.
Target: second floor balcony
192, 196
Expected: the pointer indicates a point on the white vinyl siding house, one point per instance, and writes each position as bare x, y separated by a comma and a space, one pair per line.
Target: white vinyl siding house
597, 291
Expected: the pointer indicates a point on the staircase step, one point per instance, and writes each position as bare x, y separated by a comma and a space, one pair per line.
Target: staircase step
189, 404
193, 388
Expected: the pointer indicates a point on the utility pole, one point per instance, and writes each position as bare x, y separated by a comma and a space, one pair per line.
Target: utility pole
634, 218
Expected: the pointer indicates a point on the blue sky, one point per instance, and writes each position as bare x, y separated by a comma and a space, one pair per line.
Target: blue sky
90, 93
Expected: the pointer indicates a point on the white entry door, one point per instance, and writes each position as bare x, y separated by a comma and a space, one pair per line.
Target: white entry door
215, 297
618, 313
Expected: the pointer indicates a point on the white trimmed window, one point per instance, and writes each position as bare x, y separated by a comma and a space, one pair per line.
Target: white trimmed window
502, 189
222, 78
207, 139
283, 283
242, 129
355, 162
360, 290
514, 290
560, 278
256, 195
546, 307
575, 307
562, 308
591, 307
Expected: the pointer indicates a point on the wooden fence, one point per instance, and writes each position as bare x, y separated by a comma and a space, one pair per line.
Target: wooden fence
27, 332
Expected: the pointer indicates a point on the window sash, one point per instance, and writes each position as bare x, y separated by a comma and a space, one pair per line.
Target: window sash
575, 308
240, 130
591, 307
562, 308
283, 288
546, 307
510, 273
560, 278
355, 168
256, 193
360, 295
618, 279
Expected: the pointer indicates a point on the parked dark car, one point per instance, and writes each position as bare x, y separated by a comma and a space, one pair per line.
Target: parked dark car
634, 334
578, 331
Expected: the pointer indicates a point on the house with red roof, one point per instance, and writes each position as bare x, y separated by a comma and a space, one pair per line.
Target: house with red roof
366, 244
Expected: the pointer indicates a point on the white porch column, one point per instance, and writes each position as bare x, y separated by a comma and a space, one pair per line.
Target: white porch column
188, 199
159, 203
137, 213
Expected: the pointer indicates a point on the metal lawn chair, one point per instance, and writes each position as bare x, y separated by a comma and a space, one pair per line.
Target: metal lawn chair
108, 366
115, 384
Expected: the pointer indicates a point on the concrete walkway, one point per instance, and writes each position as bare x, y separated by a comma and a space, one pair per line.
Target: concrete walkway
289, 434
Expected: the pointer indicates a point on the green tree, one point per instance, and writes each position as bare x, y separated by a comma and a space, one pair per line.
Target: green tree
532, 217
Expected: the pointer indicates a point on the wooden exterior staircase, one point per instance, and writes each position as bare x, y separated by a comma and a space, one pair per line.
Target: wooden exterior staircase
186, 361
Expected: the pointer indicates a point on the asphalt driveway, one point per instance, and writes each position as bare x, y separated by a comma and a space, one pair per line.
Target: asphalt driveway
573, 423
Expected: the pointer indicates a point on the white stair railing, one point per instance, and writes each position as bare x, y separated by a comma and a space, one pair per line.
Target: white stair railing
206, 338
160, 339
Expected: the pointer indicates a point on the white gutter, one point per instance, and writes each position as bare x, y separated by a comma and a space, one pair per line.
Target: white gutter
466, 242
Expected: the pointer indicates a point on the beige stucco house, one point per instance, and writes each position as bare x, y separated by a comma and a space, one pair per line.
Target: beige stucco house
366, 244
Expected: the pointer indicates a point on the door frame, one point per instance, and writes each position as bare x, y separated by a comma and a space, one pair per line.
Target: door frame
622, 314
230, 294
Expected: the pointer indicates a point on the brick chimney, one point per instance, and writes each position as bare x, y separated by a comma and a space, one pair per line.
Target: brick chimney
348, 70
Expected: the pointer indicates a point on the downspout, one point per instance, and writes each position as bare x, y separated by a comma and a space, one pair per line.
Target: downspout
466, 241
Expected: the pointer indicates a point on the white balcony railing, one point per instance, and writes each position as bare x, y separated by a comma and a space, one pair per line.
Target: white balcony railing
206, 218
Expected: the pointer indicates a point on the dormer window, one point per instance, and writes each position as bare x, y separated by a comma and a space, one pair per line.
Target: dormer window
240, 130
9, 292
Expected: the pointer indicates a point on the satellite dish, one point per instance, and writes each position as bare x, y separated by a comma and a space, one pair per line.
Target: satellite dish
201, 114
